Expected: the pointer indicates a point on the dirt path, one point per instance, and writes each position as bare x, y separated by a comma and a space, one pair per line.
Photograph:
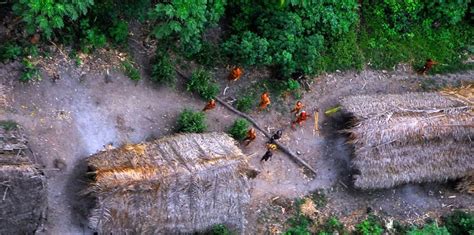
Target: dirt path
76, 116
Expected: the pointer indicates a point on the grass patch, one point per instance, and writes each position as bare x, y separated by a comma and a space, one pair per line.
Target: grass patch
130, 70
8, 125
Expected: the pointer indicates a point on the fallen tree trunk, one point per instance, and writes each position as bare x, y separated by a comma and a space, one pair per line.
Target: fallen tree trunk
283, 148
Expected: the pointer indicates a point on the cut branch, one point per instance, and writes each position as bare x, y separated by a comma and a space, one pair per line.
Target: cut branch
283, 148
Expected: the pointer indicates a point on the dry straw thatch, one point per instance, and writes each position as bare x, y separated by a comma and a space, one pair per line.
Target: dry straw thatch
414, 137
467, 184
22, 186
180, 184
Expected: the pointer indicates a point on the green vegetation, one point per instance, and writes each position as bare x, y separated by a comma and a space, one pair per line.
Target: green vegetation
130, 70
185, 21
119, 32
331, 226
8, 125
369, 226
412, 31
191, 122
47, 16
245, 103
9, 51
202, 83
299, 223
219, 229
429, 229
460, 222
162, 70
289, 39
30, 71
238, 130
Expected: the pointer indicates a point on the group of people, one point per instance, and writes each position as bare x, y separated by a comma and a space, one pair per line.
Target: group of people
300, 116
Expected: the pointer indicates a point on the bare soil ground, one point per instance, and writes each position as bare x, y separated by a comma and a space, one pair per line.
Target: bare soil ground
83, 111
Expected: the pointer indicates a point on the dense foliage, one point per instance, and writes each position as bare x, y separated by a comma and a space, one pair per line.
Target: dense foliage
185, 21
431, 229
290, 39
191, 122
45, 16
412, 31
238, 130
460, 222
162, 70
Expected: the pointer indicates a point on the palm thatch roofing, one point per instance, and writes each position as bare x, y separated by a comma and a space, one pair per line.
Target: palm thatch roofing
22, 185
466, 184
413, 137
180, 184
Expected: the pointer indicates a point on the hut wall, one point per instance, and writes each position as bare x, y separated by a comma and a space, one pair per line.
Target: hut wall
22, 186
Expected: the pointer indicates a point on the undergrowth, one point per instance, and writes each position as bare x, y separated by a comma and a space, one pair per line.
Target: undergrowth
130, 70
202, 83
191, 122
239, 128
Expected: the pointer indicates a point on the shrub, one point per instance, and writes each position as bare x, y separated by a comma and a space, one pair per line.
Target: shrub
30, 71
191, 122
369, 226
49, 15
185, 20
333, 225
209, 55
431, 229
219, 229
245, 103
202, 83
9, 51
299, 223
162, 70
460, 222
130, 70
238, 130
119, 32
93, 37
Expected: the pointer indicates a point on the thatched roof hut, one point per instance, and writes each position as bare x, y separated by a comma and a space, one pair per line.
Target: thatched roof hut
180, 184
22, 185
414, 137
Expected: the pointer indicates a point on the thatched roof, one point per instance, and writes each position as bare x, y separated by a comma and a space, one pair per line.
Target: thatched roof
22, 186
414, 137
181, 184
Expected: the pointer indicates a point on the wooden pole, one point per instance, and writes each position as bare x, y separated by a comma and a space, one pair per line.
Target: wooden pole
283, 148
